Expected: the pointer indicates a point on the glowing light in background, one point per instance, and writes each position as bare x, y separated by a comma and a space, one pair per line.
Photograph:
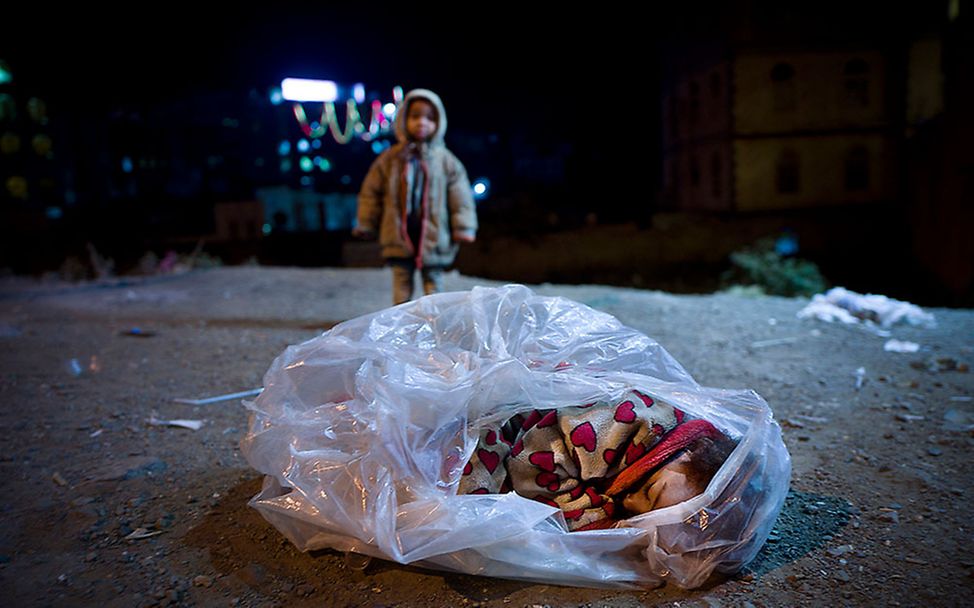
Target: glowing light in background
307, 180
303, 89
285, 165
284, 148
323, 163
352, 125
481, 188
127, 164
5, 74
303, 145
306, 164
53, 213
277, 97
316, 144
266, 228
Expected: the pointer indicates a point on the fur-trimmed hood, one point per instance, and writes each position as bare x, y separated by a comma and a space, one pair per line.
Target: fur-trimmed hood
400, 122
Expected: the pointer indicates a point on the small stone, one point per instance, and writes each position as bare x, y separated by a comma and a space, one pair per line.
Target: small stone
202, 581
934, 451
890, 516
840, 550
842, 575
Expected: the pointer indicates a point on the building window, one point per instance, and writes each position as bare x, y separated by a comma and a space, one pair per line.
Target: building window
783, 83
694, 102
716, 175
857, 169
787, 172
856, 78
694, 171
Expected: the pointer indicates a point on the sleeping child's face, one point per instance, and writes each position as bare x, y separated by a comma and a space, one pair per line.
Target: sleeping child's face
671, 484
682, 477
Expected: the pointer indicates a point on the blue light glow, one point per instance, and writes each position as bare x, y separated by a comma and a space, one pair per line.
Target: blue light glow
284, 148
127, 164
481, 188
277, 98
303, 145
358, 93
306, 164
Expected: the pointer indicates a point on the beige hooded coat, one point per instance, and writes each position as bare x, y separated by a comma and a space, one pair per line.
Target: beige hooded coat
447, 205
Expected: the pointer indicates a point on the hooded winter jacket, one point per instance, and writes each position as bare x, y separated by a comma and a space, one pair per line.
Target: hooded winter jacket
447, 205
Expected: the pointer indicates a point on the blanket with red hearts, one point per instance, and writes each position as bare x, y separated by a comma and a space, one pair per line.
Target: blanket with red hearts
567, 457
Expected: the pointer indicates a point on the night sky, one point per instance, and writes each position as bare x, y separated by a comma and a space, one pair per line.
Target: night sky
589, 76
494, 69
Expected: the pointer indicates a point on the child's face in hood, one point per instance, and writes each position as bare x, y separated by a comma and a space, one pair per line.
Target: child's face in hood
669, 485
421, 120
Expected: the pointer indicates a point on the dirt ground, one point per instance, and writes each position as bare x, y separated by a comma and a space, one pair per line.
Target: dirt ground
100, 507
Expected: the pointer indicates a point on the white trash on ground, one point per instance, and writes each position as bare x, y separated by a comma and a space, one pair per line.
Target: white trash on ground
840, 304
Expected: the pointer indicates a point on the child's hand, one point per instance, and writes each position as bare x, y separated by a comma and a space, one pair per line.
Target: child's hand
464, 237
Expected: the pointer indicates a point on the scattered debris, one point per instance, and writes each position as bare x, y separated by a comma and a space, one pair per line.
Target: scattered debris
74, 367
138, 332
140, 533
186, 424
56, 478
860, 376
900, 346
941, 364
774, 342
959, 420
227, 397
840, 304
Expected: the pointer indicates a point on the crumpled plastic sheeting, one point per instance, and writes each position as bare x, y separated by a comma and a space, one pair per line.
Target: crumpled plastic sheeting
840, 304
363, 432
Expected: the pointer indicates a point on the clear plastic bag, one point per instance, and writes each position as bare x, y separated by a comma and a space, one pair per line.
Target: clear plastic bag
363, 432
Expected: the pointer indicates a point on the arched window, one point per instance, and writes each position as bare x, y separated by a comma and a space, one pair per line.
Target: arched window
783, 83
856, 80
787, 172
857, 169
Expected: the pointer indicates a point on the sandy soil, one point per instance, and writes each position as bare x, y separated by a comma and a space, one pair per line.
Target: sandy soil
102, 508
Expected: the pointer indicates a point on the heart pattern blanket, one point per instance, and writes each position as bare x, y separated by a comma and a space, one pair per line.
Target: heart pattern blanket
569, 457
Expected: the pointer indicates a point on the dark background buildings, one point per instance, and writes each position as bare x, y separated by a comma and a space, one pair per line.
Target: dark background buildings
153, 129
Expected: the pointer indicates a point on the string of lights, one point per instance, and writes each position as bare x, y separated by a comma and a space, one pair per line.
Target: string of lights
380, 121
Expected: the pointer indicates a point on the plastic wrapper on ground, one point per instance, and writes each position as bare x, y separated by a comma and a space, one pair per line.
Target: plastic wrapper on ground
363, 432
